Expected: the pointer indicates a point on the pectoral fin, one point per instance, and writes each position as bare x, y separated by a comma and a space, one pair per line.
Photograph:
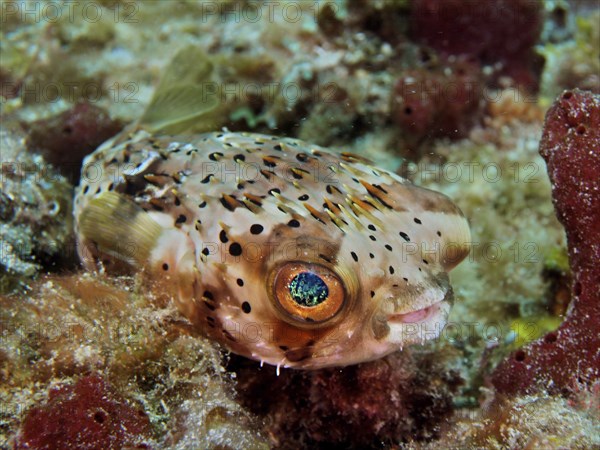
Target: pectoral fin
116, 226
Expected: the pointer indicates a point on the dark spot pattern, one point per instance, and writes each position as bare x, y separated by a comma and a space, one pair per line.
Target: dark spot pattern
235, 249
223, 237
256, 229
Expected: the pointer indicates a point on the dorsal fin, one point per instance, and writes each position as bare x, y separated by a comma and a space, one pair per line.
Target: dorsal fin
181, 95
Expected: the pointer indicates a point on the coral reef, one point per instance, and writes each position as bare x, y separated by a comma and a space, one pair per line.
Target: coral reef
500, 34
65, 139
86, 415
402, 397
69, 327
527, 422
570, 354
445, 101
35, 218
330, 73
574, 63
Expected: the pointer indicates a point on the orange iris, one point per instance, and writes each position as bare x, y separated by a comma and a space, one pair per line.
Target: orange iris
309, 293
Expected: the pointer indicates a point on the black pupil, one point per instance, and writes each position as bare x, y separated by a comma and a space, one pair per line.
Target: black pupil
308, 289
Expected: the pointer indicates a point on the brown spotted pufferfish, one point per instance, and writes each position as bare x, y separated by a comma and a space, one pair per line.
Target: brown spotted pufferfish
281, 251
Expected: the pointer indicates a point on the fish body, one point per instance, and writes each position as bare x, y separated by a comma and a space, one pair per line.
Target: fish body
282, 251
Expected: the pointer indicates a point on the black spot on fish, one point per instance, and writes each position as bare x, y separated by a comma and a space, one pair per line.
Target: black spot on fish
417, 221
246, 307
354, 256
256, 229
235, 249
380, 188
209, 306
404, 236
223, 237
181, 219
269, 163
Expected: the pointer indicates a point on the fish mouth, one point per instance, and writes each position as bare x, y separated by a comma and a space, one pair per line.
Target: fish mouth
418, 326
420, 315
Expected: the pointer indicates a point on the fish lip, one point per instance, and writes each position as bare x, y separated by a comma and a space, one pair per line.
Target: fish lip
418, 326
420, 315
441, 307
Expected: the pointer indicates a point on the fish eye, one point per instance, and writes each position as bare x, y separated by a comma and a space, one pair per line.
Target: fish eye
309, 293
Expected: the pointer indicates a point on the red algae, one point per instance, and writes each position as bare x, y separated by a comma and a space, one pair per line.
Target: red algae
401, 397
439, 102
65, 139
87, 415
500, 33
570, 355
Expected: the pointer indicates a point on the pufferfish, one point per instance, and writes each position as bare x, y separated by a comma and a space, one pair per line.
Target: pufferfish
281, 251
